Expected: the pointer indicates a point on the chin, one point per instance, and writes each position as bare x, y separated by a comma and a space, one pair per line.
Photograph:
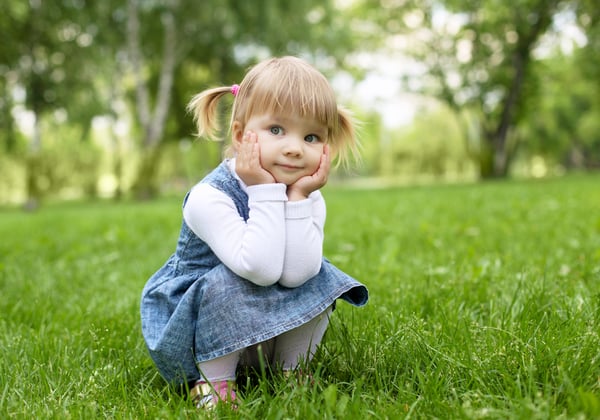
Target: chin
286, 181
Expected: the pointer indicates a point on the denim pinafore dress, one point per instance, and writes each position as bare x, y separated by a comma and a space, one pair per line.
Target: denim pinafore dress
195, 309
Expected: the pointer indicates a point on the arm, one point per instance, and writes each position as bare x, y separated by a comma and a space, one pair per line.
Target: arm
304, 221
253, 249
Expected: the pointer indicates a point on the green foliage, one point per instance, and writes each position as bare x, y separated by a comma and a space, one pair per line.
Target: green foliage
476, 57
76, 57
48, 52
432, 147
185, 162
66, 167
12, 181
485, 303
565, 129
73, 58
588, 16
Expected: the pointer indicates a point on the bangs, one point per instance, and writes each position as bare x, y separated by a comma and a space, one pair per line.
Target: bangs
302, 99
287, 88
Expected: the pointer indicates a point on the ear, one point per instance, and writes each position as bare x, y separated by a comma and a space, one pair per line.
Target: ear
237, 134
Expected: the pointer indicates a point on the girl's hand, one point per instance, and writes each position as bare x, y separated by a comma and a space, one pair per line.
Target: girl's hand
247, 162
300, 189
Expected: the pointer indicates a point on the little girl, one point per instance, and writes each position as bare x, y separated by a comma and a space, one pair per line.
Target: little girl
248, 278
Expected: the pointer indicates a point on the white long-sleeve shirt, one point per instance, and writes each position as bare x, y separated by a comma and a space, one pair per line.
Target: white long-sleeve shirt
282, 241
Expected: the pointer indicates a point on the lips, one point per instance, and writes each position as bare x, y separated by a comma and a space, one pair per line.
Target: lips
289, 167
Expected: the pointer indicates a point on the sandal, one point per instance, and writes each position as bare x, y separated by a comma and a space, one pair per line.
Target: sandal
206, 395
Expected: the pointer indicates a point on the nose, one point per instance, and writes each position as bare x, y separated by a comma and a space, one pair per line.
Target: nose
294, 146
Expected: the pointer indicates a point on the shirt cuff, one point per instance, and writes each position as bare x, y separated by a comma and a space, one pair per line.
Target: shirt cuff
267, 192
298, 209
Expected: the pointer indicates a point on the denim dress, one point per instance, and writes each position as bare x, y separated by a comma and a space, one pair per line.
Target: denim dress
195, 309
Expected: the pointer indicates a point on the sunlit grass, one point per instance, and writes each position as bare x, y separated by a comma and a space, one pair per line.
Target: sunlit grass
485, 303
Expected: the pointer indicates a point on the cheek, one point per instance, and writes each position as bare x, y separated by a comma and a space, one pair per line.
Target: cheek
316, 158
264, 150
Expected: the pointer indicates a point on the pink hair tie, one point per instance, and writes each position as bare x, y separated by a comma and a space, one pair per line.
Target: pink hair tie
235, 89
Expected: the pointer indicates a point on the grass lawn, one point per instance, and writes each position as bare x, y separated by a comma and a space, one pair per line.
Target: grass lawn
485, 303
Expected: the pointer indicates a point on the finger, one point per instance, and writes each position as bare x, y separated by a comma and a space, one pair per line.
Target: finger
255, 155
253, 147
246, 143
249, 142
325, 161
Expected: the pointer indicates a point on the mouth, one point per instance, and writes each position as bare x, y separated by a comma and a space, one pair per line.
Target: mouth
289, 167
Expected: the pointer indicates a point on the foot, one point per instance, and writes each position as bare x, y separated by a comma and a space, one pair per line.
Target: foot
206, 395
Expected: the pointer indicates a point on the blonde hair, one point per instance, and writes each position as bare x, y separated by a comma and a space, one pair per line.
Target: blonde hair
277, 86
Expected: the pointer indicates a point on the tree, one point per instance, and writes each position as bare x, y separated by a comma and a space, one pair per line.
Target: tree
588, 16
221, 38
475, 57
80, 58
565, 127
49, 57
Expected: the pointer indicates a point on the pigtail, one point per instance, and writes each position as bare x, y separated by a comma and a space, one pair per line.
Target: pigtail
346, 146
204, 108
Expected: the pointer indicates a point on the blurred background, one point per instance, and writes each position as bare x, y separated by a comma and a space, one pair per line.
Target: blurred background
93, 93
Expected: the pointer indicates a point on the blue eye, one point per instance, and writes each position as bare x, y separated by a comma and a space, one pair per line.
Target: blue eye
311, 138
276, 130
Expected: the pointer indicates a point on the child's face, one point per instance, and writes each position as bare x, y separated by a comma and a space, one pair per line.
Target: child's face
290, 146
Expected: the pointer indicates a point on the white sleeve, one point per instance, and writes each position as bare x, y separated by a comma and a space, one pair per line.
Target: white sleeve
253, 249
304, 220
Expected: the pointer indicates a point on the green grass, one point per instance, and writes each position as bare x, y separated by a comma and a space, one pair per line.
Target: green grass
485, 303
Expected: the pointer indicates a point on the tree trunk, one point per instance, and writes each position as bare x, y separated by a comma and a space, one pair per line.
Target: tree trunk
486, 159
117, 164
146, 184
32, 164
152, 123
497, 140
